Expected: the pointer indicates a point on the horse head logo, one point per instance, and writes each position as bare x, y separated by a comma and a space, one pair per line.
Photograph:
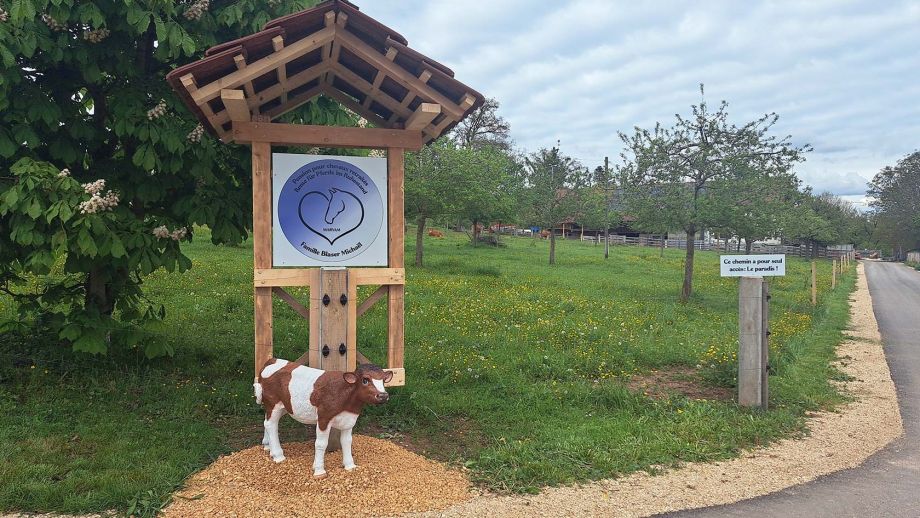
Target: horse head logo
343, 213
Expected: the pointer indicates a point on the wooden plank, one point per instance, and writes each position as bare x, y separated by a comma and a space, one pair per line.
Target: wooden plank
281, 277
424, 76
371, 300
240, 61
263, 66
368, 89
353, 105
396, 255
327, 136
277, 45
315, 302
235, 102
291, 301
333, 319
383, 276
296, 101
188, 81
262, 250
423, 116
396, 72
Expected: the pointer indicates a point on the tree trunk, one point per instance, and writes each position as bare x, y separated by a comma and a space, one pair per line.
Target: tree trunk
552, 247
419, 240
98, 293
748, 245
475, 232
664, 241
607, 243
688, 266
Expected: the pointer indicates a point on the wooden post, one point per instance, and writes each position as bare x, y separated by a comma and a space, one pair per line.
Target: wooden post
333, 319
262, 249
765, 346
814, 283
396, 255
833, 273
751, 335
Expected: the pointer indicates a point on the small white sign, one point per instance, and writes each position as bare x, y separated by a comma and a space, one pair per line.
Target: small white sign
329, 210
760, 265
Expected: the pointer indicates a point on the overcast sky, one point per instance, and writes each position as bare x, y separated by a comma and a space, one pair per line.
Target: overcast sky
843, 76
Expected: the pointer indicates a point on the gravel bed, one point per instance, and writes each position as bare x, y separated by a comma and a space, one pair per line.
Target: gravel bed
389, 480
836, 440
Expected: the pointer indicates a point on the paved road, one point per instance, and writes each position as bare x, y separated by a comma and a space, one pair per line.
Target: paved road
888, 483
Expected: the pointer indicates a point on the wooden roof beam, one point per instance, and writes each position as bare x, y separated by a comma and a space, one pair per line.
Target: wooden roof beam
264, 65
379, 77
236, 105
397, 73
336, 49
356, 107
295, 81
423, 116
240, 61
326, 136
424, 76
361, 84
278, 45
296, 101
191, 85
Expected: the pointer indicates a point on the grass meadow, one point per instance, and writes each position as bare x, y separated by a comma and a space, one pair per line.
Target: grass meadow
516, 370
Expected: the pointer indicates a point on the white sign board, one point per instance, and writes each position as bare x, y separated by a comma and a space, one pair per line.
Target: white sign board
329, 210
760, 265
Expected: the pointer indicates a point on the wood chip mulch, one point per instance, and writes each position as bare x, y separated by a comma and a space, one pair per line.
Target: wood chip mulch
389, 481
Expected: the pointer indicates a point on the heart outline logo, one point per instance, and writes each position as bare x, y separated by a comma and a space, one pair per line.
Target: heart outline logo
338, 202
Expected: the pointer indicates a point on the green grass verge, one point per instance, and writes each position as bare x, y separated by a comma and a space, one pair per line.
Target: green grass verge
515, 369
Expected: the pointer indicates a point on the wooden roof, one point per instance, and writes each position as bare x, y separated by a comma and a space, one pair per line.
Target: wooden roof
332, 49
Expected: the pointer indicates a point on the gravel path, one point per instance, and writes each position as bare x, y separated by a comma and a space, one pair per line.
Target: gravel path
836, 441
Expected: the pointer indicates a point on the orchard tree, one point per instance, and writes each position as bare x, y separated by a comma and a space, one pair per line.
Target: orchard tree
103, 172
895, 193
753, 205
483, 127
490, 181
553, 182
431, 186
670, 171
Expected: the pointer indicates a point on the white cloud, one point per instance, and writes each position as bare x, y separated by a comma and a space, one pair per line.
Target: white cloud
843, 75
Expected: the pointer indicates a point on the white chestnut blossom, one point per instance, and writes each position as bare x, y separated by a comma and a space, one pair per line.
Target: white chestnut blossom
196, 134
99, 203
94, 188
64, 173
162, 232
197, 9
4, 16
96, 36
157, 111
53, 24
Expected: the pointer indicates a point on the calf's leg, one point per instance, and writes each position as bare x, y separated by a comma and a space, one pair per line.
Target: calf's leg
319, 461
271, 430
347, 459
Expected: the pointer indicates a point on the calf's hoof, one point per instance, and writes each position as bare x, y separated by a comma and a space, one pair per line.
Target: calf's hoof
319, 475
278, 458
351, 468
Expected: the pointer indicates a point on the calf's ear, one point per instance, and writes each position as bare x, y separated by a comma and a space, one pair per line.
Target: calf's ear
350, 377
387, 376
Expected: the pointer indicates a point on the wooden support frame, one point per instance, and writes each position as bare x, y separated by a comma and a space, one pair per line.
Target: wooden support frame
269, 281
324, 136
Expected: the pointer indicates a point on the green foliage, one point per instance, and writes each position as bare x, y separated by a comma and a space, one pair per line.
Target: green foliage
685, 176
82, 87
895, 192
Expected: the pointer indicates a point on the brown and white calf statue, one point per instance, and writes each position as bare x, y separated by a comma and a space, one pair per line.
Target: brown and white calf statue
328, 399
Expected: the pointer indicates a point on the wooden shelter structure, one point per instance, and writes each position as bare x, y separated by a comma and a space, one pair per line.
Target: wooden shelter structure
333, 49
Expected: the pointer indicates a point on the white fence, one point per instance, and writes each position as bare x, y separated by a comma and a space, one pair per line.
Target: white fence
913, 257
757, 248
